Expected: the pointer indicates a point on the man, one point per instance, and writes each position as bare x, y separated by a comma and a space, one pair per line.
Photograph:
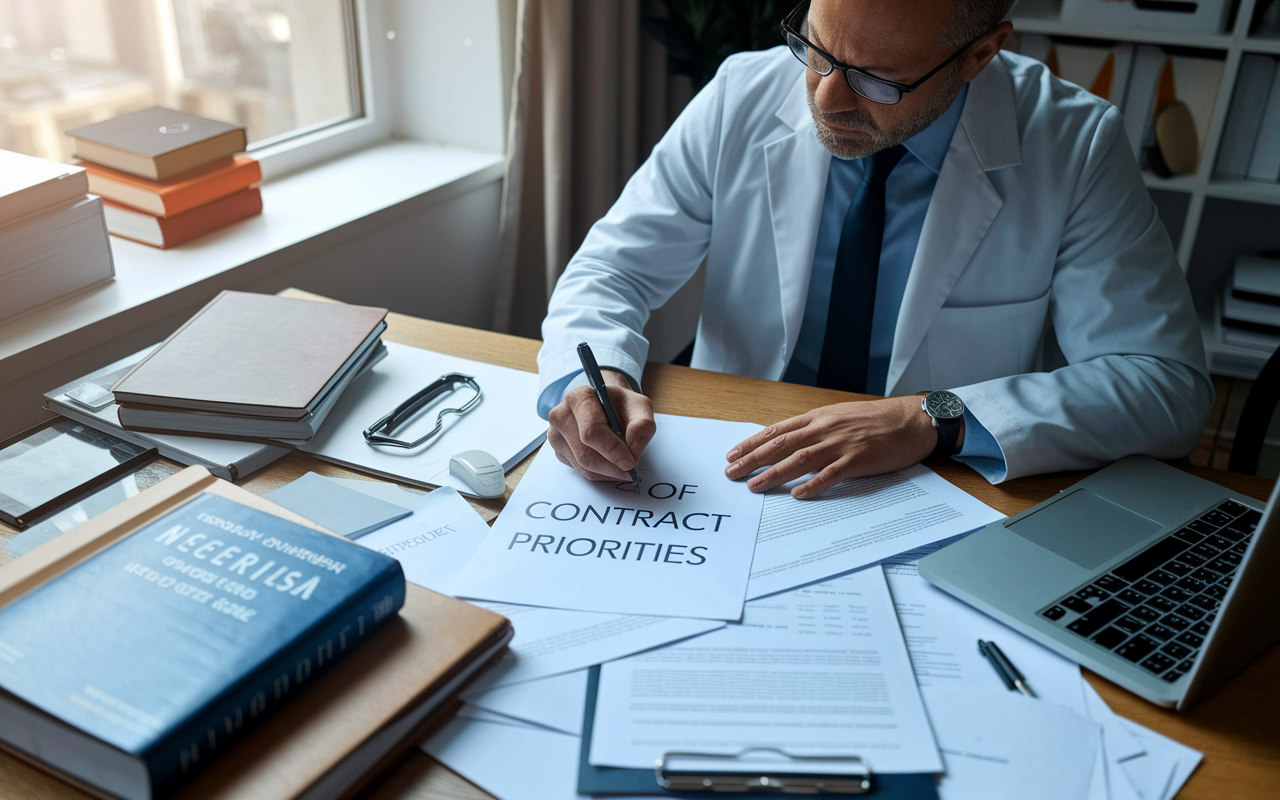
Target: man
1021, 263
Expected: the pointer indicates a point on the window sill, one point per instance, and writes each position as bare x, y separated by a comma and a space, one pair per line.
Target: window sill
151, 284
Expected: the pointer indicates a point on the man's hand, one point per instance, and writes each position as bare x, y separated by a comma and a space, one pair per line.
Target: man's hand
845, 440
581, 437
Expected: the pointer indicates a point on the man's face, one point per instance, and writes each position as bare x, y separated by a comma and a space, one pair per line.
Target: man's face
894, 39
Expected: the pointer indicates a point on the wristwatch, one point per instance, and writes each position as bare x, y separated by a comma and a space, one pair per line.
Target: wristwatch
946, 409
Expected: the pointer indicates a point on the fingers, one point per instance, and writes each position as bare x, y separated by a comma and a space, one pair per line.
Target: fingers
636, 413
769, 446
822, 458
567, 456
581, 436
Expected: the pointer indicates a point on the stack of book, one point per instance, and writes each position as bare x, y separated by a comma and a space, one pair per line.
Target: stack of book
1249, 315
1251, 140
53, 240
252, 366
168, 176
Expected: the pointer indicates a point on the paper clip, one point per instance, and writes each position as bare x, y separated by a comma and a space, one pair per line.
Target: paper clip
380, 432
856, 779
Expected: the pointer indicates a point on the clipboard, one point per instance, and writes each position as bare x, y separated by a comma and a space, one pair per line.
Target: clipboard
594, 780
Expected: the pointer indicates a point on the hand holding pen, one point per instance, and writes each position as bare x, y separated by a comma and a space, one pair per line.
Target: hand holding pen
581, 433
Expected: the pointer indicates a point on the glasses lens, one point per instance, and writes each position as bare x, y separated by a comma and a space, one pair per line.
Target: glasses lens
873, 89
807, 55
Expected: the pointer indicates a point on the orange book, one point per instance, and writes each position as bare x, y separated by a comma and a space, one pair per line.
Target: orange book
179, 194
165, 232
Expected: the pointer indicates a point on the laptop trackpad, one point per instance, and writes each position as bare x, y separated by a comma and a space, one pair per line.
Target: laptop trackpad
1085, 528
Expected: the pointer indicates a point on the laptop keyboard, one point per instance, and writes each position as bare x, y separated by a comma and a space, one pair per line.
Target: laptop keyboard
1155, 609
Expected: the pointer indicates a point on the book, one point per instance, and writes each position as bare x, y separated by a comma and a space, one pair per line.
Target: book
253, 354
88, 400
1256, 278
1264, 164
349, 723
174, 196
1198, 81
43, 469
45, 257
1140, 98
166, 232
157, 142
1253, 85
30, 185
134, 668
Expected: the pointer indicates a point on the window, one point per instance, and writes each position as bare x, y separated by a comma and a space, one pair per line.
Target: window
281, 68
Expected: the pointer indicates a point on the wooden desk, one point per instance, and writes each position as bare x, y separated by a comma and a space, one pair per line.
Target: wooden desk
1236, 728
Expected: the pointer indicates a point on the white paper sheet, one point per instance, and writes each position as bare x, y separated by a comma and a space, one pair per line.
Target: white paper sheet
505, 424
857, 522
1119, 743
942, 636
508, 761
681, 547
551, 641
435, 543
557, 702
1000, 745
822, 669
1186, 759
468, 711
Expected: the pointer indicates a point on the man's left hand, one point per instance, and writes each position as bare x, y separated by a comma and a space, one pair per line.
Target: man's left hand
845, 440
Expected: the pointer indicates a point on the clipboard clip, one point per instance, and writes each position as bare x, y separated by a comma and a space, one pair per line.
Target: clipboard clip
855, 779
381, 432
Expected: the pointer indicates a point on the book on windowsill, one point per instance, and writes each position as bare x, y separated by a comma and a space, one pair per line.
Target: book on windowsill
165, 232
145, 661
30, 185
49, 255
174, 196
157, 142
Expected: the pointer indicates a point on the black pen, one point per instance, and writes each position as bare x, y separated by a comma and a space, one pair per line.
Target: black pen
592, 369
1004, 668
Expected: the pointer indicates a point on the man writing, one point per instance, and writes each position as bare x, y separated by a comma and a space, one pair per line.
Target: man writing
961, 221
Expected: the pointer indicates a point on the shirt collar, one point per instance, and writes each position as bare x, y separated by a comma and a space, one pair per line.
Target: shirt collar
931, 144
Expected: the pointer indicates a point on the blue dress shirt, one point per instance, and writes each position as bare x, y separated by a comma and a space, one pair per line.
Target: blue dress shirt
907, 195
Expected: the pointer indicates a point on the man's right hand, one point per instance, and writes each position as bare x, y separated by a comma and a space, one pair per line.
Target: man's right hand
581, 437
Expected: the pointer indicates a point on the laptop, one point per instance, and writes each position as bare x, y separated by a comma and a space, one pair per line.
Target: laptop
1157, 580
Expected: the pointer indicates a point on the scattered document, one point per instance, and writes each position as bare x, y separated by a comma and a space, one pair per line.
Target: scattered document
468, 711
1002, 746
1121, 745
505, 424
942, 636
552, 641
382, 490
1147, 777
508, 761
855, 523
344, 511
435, 544
820, 670
680, 547
557, 702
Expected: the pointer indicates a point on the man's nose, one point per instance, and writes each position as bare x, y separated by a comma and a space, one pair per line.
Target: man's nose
834, 93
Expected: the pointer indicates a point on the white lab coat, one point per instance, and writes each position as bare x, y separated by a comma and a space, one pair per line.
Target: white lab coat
1041, 250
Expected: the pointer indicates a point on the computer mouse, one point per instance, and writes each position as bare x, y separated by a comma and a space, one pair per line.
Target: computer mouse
481, 472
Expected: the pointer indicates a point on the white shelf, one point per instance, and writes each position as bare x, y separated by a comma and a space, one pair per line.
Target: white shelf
1053, 26
1249, 191
1178, 183
1258, 45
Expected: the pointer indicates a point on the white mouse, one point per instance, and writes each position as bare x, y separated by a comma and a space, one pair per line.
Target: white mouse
481, 472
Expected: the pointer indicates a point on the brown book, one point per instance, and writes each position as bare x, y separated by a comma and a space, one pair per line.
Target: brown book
166, 232
253, 354
336, 734
157, 142
174, 196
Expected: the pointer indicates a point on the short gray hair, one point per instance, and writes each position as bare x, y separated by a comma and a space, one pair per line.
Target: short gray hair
970, 19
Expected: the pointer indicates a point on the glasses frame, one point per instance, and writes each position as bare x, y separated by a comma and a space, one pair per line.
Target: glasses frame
380, 432
789, 29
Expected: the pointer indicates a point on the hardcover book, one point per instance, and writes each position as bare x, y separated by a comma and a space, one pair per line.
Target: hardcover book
137, 667
157, 142
177, 195
29, 185
166, 232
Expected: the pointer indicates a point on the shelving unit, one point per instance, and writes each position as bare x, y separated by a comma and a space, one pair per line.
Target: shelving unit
1207, 242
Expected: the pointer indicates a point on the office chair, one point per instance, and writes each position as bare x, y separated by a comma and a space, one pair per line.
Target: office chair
1255, 419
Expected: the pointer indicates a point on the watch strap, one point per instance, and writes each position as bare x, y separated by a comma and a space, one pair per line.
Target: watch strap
948, 433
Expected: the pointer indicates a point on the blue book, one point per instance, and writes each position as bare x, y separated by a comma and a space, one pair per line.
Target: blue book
135, 668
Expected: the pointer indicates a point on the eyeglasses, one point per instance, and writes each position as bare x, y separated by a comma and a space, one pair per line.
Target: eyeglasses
380, 432
877, 90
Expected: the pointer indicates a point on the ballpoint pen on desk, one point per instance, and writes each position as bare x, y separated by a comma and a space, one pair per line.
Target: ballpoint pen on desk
1004, 668
592, 369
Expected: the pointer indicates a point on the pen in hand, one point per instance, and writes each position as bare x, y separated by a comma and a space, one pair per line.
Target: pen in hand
592, 370
1004, 668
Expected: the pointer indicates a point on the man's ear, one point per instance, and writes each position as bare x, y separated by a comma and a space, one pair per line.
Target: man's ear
985, 49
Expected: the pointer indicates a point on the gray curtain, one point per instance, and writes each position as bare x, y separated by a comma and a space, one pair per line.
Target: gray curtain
590, 97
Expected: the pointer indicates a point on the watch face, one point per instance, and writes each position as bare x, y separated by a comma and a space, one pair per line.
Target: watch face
944, 405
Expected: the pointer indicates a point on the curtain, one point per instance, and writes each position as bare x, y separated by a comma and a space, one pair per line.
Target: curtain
591, 96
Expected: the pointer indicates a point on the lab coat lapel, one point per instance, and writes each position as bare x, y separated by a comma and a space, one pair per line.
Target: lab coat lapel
964, 204
797, 167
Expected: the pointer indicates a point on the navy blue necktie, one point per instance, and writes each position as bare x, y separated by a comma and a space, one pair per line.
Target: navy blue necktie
846, 344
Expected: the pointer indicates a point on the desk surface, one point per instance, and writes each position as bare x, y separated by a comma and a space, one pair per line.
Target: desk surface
1235, 728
